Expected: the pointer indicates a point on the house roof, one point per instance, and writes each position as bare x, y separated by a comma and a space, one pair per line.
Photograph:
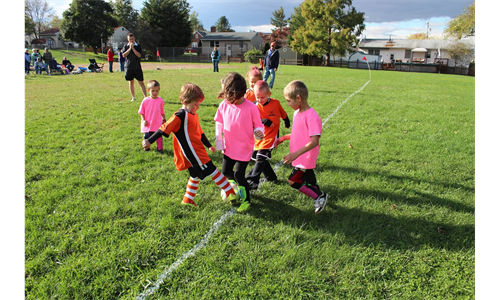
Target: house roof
229, 36
410, 44
51, 31
201, 32
39, 41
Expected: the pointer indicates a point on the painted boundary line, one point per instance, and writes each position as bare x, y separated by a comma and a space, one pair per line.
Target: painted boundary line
166, 274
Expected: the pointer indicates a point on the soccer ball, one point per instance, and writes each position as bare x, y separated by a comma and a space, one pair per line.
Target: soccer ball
180, 68
236, 191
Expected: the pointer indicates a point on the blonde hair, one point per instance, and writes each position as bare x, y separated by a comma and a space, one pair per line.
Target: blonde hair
296, 88
190, 93
152, 83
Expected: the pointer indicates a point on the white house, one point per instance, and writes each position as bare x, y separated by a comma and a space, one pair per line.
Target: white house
404, 50
230, 43
119, 38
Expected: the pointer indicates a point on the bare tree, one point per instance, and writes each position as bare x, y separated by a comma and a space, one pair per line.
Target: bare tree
40, 12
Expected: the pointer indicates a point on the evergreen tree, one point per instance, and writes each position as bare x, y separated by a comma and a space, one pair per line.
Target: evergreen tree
125, 14
222, 25
279, 20
164, 23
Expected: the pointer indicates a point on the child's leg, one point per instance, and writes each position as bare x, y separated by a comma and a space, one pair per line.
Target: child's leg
191, 190
269, 173
239, 176
159, 143
297, 180
227, 167
222, 182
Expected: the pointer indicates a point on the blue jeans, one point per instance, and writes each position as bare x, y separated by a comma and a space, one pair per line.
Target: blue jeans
122, 66
110, 66
216, 65
266, 75
46, 66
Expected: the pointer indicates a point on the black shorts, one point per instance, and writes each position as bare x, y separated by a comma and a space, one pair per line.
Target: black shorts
131, 74
262, 154
202, 171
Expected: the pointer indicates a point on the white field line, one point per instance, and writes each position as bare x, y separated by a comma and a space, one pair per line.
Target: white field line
280, 163
166, 274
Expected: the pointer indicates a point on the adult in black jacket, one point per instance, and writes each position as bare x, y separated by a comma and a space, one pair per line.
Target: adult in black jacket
271, 62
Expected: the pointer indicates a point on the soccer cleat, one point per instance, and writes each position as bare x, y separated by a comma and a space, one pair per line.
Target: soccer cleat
189, 202
320, 203
133, 98
244, 206
243, 193
233, 199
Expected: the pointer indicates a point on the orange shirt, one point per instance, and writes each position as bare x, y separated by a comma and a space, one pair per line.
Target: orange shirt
250, 95
188, 147
273, 111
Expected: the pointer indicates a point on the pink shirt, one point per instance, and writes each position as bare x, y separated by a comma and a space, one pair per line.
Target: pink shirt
305, 125
152, 109
239, 122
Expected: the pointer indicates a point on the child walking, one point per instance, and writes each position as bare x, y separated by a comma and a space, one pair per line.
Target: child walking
152, 113
271, 113
237, 122
189, 142
253, 76
304, 144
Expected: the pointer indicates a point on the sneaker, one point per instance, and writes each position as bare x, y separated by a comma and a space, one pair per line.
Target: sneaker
133, 99
252, 185
160, 151
244, 206
189, 202
320, 203
243, 193
233, 199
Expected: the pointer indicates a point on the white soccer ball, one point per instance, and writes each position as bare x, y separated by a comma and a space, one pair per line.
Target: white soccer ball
236, 191
180, 68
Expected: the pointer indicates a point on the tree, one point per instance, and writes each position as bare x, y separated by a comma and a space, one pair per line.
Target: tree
164, 23
222, 25
40, 13
420, 36
88, 22
330, 28
29, 26
460, 52
279, 20
196, 24
463, 25
125, 14
279, 36
55, 22
296, 21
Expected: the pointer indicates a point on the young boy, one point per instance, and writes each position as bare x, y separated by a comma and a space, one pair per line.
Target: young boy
152, 113
304, 144
189, 141
271, 112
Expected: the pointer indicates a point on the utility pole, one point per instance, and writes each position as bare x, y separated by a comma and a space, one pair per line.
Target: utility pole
428, 29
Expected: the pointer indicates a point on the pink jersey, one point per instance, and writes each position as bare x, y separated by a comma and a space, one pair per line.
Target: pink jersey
305, 125
239, 122
152, 109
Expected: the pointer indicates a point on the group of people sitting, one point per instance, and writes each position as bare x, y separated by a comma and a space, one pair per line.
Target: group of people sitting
45, 62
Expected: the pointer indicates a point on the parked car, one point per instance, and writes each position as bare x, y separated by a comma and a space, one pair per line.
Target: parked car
190, 50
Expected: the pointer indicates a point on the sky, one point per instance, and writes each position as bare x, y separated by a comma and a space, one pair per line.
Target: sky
383, 18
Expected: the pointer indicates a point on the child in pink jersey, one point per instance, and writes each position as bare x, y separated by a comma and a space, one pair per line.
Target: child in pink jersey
304, 144
237, 123
152, 113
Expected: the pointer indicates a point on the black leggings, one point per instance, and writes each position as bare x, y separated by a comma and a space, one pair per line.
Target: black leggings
239, 172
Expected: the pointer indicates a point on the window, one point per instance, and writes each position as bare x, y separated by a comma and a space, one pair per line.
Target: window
374, 51
214, 44
427, 55
241, 45
407, 53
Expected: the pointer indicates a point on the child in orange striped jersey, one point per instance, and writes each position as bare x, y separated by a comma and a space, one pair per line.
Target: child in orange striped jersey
253, 76
189, 141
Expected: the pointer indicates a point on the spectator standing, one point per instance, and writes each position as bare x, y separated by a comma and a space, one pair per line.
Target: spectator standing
133, 53
27, 61
46, 57
215, 59
271, 62
121, 60
111, 57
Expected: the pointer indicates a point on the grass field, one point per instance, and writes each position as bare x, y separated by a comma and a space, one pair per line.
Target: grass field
103, 218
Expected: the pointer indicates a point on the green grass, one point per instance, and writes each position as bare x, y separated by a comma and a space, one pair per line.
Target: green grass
103, 218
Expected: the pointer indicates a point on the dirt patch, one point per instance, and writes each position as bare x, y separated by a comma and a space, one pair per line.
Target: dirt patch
154, 66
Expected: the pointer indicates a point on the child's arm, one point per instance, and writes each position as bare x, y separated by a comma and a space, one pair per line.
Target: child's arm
290, 157
283, 138
207, 143
164, 119
219, 140
143, 120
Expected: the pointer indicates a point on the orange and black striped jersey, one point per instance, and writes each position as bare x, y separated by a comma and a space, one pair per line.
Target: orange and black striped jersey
273, 111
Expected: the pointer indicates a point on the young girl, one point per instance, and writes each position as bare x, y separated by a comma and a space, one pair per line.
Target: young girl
152, 113
237, 123
253, 76
189, 141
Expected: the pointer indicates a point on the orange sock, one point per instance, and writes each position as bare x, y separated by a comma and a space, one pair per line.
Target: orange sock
222, 182
191, 190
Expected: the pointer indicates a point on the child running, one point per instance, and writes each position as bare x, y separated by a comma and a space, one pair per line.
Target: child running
253, 76
152, 113
304, 144
189, 141
271, 113
237, 122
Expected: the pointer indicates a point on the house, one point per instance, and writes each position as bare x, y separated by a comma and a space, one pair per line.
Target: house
360, 60
52, 39
119, 38
410, 51
196, 38
229, 43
